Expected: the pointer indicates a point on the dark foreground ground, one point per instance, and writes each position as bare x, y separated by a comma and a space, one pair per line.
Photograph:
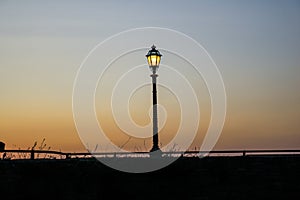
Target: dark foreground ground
249, 177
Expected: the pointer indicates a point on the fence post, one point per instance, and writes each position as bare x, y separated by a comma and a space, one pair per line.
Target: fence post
244, 153
32, 154
68, 156
2, 146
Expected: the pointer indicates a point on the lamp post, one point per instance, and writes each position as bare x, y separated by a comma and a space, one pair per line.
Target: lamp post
153, 58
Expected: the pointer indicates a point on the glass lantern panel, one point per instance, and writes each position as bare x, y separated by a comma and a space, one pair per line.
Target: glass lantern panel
157, 60
149, 60
154, 60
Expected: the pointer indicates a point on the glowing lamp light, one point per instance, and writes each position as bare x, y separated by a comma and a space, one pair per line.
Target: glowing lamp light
153, 58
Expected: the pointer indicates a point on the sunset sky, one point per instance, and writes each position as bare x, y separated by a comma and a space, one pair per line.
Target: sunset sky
255, 44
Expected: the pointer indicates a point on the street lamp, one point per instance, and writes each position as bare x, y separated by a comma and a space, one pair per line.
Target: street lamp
153, 58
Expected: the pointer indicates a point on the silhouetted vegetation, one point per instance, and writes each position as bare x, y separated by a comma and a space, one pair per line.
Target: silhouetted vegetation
248, 177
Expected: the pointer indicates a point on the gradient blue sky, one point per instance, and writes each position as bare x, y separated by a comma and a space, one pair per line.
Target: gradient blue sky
256, 45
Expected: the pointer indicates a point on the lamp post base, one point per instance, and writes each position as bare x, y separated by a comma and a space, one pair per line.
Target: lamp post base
155, 148
155, 152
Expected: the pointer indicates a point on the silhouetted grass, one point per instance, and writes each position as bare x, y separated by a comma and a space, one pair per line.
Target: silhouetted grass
241, 178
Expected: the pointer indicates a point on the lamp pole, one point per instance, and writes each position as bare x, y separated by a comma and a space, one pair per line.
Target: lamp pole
153, 58
155, 123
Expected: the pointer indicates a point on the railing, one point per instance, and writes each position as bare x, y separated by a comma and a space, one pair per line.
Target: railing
35, 154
